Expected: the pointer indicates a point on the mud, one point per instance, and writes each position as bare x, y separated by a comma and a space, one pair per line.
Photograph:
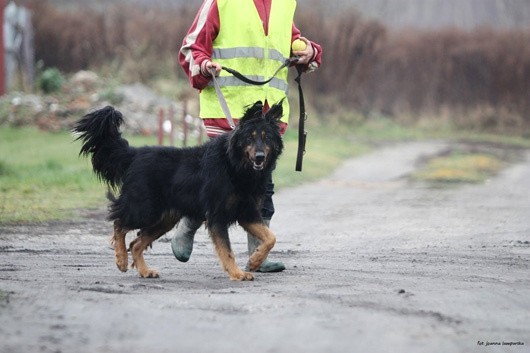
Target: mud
374, 261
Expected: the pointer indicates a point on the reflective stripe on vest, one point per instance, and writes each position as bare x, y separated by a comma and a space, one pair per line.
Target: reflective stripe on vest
251, 53
241, 52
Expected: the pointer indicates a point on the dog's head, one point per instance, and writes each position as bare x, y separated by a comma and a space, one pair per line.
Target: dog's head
256, 141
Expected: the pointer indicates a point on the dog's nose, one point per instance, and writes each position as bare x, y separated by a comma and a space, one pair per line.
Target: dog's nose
260, 157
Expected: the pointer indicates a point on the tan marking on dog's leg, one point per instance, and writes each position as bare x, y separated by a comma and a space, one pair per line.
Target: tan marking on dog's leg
228, 260
145, 238
267, 238
138, 246
120, 249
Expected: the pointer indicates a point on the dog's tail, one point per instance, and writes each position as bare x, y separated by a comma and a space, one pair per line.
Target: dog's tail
111, 154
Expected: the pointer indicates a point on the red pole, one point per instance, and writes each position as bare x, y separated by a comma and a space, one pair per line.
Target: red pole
3, 4
201, 132
161, 127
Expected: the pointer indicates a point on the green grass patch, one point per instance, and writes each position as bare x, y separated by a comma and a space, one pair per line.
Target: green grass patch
42, 178
325, 150
460, 167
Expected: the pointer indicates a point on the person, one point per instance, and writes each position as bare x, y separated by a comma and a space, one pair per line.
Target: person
254, 38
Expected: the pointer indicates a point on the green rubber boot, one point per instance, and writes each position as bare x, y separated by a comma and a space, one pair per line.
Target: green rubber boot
266, 266
182, 241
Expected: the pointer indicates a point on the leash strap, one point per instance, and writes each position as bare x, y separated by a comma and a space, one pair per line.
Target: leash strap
302, 133
245, 79
222, 100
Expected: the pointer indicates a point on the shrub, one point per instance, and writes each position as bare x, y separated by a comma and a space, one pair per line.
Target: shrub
51, 80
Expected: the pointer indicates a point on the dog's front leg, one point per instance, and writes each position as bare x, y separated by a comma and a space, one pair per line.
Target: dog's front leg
267, 238
221, 242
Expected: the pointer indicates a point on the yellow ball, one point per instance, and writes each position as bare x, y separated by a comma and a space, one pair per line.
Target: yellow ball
298, 45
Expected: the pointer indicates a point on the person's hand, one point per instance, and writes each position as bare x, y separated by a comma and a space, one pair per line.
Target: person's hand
304, 56
210, 64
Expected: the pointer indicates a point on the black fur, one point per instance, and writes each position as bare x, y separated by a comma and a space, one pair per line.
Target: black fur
222, 181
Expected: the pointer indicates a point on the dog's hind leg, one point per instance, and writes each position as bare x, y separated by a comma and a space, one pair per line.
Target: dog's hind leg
267, 238
145, 238
138, 246
120, 249
226, 255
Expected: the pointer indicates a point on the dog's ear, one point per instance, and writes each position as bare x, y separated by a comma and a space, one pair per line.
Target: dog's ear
253, 112
275, 113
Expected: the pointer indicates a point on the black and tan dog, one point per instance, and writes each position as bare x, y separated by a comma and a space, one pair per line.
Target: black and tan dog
221, 182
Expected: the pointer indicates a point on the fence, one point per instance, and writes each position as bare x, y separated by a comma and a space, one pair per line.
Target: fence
190, 127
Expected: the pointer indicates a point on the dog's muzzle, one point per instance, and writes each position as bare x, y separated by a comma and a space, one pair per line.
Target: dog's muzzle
259, 161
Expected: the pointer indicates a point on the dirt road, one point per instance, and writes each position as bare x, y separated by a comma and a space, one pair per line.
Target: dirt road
375, 263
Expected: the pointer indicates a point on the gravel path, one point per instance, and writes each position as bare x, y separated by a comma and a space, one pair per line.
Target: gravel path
375, 263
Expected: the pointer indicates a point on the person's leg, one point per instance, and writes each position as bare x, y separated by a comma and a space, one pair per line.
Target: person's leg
267, 211
182, 241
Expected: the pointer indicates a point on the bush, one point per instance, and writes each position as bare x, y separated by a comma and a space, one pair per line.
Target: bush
51, 80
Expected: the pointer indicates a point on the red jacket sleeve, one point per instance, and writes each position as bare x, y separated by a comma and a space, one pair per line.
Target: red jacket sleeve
197, 45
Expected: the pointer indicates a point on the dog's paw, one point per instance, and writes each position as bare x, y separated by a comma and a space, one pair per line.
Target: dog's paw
242, 276
122, 262
149, 274
248, 276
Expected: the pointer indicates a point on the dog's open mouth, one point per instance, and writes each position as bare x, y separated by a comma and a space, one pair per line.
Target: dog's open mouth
257, 165
258, 162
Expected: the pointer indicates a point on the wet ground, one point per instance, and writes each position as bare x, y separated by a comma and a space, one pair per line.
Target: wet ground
375, 263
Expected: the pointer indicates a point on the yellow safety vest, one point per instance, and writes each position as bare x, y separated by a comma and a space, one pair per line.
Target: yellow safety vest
243, 46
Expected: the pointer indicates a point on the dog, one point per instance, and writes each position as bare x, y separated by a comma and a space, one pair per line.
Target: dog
220, 182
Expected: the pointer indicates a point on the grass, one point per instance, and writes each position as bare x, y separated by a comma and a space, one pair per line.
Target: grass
42, 178
325, 150
460, 167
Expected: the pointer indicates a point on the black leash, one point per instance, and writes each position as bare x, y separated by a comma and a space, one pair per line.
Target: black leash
302, 133
245, 79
